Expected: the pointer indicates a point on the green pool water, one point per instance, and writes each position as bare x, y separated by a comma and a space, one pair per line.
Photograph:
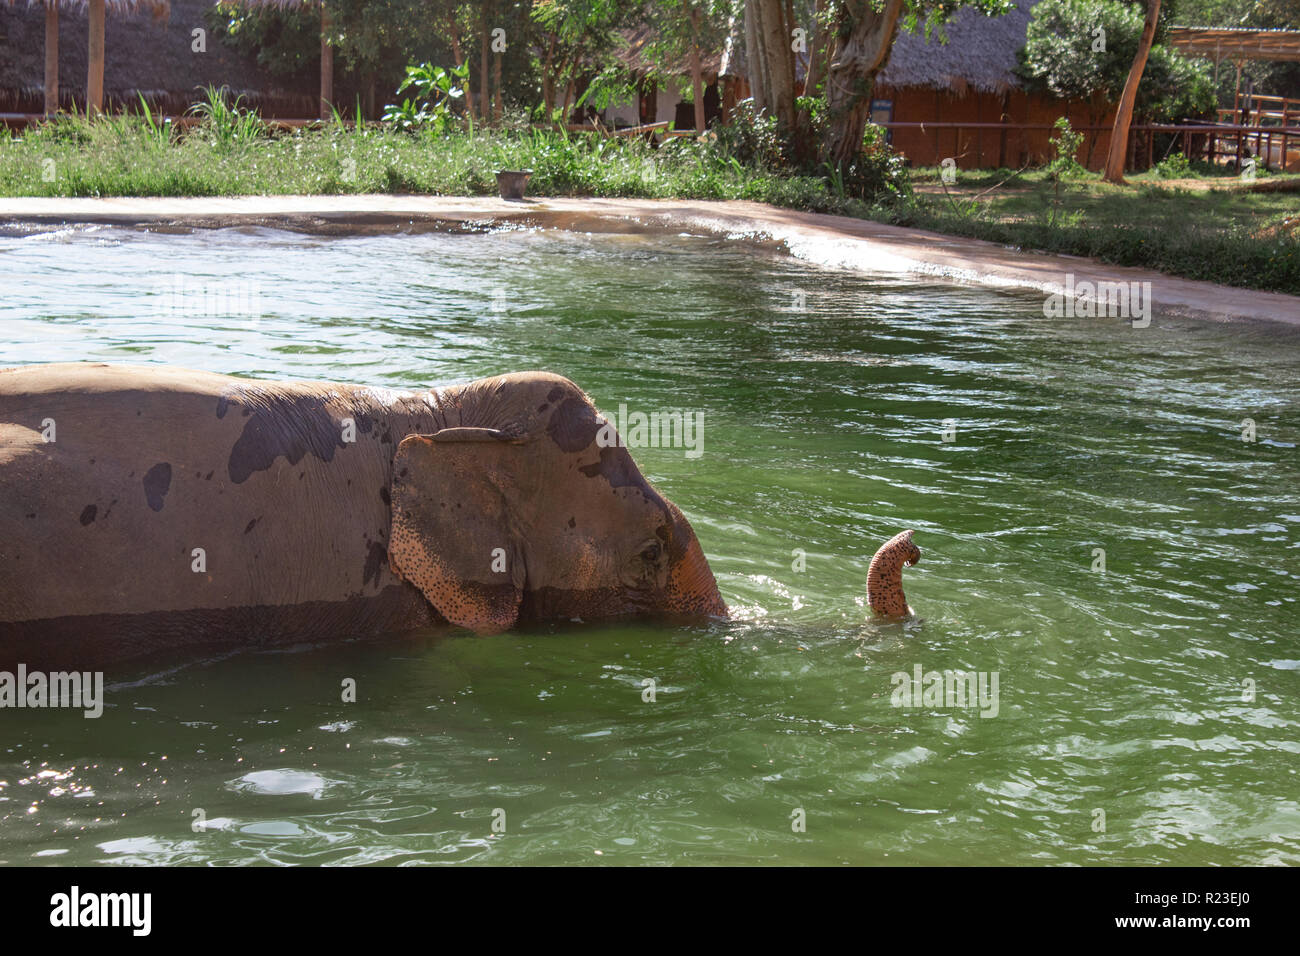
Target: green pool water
1146, 714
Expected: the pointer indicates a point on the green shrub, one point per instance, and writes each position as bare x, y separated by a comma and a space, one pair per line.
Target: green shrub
1173, 167
1065, 143
753, 138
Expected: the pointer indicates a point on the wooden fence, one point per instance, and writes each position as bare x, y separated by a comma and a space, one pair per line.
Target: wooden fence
1276, 147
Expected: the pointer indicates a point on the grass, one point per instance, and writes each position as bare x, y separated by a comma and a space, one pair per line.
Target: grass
126, 156
1229, 236
1212, 228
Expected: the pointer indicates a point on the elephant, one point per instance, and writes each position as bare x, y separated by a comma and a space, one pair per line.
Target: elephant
144, 508
885, 576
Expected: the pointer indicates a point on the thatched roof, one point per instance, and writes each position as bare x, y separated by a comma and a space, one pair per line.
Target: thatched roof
142, 55
631, 53
980, 53
158, 8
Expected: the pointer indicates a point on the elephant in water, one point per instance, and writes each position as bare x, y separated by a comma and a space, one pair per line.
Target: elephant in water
143, 508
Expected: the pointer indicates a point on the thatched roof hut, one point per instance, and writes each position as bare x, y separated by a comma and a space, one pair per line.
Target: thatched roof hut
145, 56
962, 99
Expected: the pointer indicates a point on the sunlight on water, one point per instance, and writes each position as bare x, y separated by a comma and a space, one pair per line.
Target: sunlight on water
825, 397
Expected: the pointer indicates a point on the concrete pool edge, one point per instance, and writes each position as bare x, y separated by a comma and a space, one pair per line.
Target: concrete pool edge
818, 238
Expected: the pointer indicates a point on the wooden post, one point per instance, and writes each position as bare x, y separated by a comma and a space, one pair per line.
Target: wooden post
326, 64
498, 108
484, 94
1236, 98
697, 79
51, 57
1002, 134
95, 69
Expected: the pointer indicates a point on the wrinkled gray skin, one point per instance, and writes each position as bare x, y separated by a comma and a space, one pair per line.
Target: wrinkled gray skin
479, 505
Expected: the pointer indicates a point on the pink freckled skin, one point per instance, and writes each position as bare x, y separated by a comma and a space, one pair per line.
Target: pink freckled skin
885, 576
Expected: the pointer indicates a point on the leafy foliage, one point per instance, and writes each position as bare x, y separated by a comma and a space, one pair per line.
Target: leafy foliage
437, 91
756, 140
1065, 143
283, 40
1083, 50
1175, 166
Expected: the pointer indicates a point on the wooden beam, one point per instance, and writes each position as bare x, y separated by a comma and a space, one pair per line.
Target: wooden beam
51, 57
95, 67
326, 65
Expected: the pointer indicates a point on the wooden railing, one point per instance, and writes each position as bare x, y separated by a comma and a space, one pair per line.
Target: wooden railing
23, 120
1277, 146
1280, 109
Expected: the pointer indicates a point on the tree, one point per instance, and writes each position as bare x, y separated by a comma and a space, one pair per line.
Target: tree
1082, 50
1114, 172
864, 37
769, 47
574, 34
680, 31
850, 52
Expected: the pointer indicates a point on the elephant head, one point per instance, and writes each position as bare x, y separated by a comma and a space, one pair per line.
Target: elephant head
514, 511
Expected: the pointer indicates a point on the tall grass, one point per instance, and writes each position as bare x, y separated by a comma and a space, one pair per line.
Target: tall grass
231, 152
225, 124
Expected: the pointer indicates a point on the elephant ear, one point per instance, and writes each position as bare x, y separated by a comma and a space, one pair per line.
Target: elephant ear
450, 517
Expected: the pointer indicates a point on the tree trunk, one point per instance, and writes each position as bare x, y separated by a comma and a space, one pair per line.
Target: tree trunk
498, 108
570, 90
865, 38
95, 69
485, 44
755, 58
454, 31
51, 57
326, 64
548, 80
1124, 115
778, 60
818, 50
787, 30
697, 72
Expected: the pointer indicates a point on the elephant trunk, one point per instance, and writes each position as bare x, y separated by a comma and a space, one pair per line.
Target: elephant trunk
692, 589
885, 576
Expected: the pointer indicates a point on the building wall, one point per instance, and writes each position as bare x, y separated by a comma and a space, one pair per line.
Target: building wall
667, 97
985, 148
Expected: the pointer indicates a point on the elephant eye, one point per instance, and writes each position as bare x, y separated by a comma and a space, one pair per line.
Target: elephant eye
651, 553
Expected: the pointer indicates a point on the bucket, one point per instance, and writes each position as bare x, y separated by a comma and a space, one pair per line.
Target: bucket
511, 183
